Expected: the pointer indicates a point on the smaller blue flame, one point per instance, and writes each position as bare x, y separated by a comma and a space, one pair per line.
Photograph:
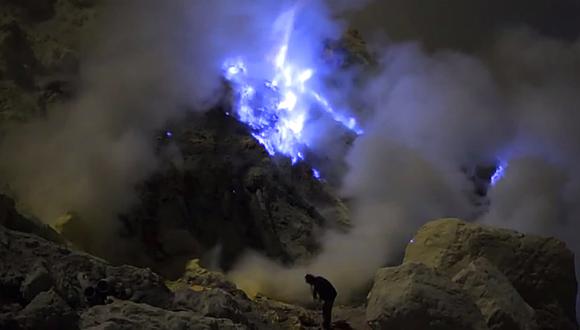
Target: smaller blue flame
499, 173
316, 173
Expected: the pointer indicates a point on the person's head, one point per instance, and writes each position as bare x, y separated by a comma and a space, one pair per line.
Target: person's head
309, 278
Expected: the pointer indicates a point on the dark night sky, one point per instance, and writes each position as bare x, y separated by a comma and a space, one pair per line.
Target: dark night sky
467, 24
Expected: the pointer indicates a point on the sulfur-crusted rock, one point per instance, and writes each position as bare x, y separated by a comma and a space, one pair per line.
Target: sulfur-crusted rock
500, 304
540, 269
415, 297
198, 276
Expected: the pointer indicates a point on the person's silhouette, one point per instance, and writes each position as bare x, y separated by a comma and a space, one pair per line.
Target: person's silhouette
322, 289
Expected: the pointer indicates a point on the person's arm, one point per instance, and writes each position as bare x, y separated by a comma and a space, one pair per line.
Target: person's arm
314, 292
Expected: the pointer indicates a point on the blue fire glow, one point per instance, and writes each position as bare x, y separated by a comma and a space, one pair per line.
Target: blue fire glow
277, 109
499, 172
316, 173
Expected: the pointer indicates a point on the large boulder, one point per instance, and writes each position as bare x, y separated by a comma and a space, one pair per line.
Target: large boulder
541, 269
415, 297
501, 305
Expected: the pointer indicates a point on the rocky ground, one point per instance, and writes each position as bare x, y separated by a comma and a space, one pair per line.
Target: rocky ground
455, 275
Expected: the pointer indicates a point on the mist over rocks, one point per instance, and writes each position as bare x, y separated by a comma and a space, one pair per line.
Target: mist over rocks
112, 118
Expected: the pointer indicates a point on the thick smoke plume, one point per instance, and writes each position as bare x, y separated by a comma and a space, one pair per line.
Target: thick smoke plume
147, 62
432, 117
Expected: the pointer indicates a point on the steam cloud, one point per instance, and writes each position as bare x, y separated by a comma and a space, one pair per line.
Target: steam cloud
150, 62
431, 115
427, 116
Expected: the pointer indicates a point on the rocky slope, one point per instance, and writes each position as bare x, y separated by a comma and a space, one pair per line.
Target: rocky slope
447, 281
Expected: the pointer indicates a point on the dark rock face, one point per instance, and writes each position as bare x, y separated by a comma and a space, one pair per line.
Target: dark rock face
47, 311
68, 273
218, 189
11, 219
540, 269
413, 296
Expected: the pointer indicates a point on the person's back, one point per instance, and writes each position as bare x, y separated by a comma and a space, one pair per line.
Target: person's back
323, 289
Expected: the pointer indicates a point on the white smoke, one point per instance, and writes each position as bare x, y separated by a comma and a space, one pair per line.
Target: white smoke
147, 62
431, 115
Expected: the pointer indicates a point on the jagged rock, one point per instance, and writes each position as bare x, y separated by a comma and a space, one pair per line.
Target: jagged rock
203, 299
128, 315
415, 297
22, 252
37, 281
47, 311
11, 219
540, 269
287, 316
39, 47
500, 304
218, 303
230, 195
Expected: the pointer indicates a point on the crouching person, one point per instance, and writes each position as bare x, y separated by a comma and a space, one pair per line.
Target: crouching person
323, 290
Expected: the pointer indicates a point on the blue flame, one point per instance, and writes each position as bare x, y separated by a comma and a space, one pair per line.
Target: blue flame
499, 172
316, 173
277, 109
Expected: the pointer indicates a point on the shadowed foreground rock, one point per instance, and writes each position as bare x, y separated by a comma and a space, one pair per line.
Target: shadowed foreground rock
45, 285
540, 269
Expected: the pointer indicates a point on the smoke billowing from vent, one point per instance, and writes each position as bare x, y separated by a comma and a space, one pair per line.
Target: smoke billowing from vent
149, 62
432, 116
